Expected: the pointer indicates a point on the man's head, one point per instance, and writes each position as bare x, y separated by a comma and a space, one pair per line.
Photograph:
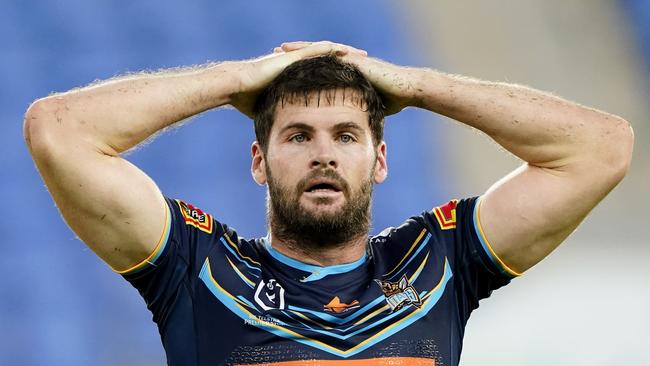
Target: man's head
302, 79
320, 148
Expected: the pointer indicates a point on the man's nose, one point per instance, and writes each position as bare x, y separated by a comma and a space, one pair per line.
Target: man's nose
324, 155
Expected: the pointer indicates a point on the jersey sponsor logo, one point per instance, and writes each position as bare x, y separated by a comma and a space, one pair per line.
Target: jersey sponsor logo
446, 215
194, 216
270, 295
336, 306
399, 294
262, 321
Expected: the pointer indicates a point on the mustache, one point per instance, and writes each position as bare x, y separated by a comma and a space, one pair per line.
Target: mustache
303, 184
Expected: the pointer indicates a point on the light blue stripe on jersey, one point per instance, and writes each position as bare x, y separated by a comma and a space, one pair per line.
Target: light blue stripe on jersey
160, 248
420, 247
317, 272
223, 241
486, 247
279, 329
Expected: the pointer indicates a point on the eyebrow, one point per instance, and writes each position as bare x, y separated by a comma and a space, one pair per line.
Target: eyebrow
309, 128
348, 126
297, 126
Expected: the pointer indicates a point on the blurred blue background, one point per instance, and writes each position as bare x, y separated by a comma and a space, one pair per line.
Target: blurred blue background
60, 305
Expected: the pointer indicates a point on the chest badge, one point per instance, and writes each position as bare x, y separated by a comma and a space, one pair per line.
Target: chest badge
336, 306
270, 295
399, 294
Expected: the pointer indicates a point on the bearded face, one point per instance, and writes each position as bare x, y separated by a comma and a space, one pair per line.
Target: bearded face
320, 164
318, 227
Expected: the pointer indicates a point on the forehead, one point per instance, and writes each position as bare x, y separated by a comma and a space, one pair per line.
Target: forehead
321, 109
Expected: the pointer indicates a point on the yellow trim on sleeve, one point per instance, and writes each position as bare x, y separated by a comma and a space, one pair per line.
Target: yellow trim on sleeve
487, 242
156, 251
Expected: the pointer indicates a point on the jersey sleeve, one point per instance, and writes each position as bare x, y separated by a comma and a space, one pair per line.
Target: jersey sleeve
477, 269
172, 266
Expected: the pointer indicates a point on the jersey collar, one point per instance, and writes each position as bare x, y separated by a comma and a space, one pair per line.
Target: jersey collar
317, 272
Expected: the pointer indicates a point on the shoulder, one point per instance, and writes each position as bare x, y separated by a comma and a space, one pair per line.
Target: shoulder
439, 219
205, 235
439, 227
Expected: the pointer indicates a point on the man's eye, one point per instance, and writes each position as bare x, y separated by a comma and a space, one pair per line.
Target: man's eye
346, 138
298, 138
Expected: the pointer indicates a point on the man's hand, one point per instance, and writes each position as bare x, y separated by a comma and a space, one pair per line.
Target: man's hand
256, 74
571, 160
396, 84
76, 139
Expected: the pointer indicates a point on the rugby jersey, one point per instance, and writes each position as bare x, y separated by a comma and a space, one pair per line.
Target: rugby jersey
221, 299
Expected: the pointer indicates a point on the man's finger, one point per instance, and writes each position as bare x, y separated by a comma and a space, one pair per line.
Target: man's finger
292, 46
319, 49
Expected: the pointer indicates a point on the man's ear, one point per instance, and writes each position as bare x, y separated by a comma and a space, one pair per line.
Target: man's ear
258, 164
381, 167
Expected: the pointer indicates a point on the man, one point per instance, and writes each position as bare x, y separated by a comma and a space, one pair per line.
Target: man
317, 290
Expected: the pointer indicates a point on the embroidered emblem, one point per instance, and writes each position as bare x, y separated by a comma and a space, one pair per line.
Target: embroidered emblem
446, 215
194, 216
270, 295
336, 306
400, 293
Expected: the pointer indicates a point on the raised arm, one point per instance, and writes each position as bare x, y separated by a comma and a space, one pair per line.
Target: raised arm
574, 154
76, 139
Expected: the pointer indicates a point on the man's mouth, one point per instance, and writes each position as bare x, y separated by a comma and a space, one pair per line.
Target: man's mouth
323, 187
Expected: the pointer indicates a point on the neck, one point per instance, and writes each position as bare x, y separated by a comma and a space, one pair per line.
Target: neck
346, 252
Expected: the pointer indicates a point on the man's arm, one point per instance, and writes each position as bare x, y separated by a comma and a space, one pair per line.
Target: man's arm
76, 139
574, 155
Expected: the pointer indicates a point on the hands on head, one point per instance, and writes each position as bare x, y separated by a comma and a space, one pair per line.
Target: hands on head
395, 83
337, 48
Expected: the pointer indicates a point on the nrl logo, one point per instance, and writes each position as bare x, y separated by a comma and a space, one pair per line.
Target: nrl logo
400, 293
270, 295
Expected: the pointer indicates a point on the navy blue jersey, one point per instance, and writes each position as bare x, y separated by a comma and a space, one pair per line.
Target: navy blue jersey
220, 299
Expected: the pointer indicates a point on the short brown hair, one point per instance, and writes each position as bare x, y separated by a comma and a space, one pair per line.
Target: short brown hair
324, 74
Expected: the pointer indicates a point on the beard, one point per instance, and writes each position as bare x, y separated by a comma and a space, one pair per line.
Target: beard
305, 230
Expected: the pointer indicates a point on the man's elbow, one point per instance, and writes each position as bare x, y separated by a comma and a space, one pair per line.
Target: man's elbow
619, 144
40, 120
